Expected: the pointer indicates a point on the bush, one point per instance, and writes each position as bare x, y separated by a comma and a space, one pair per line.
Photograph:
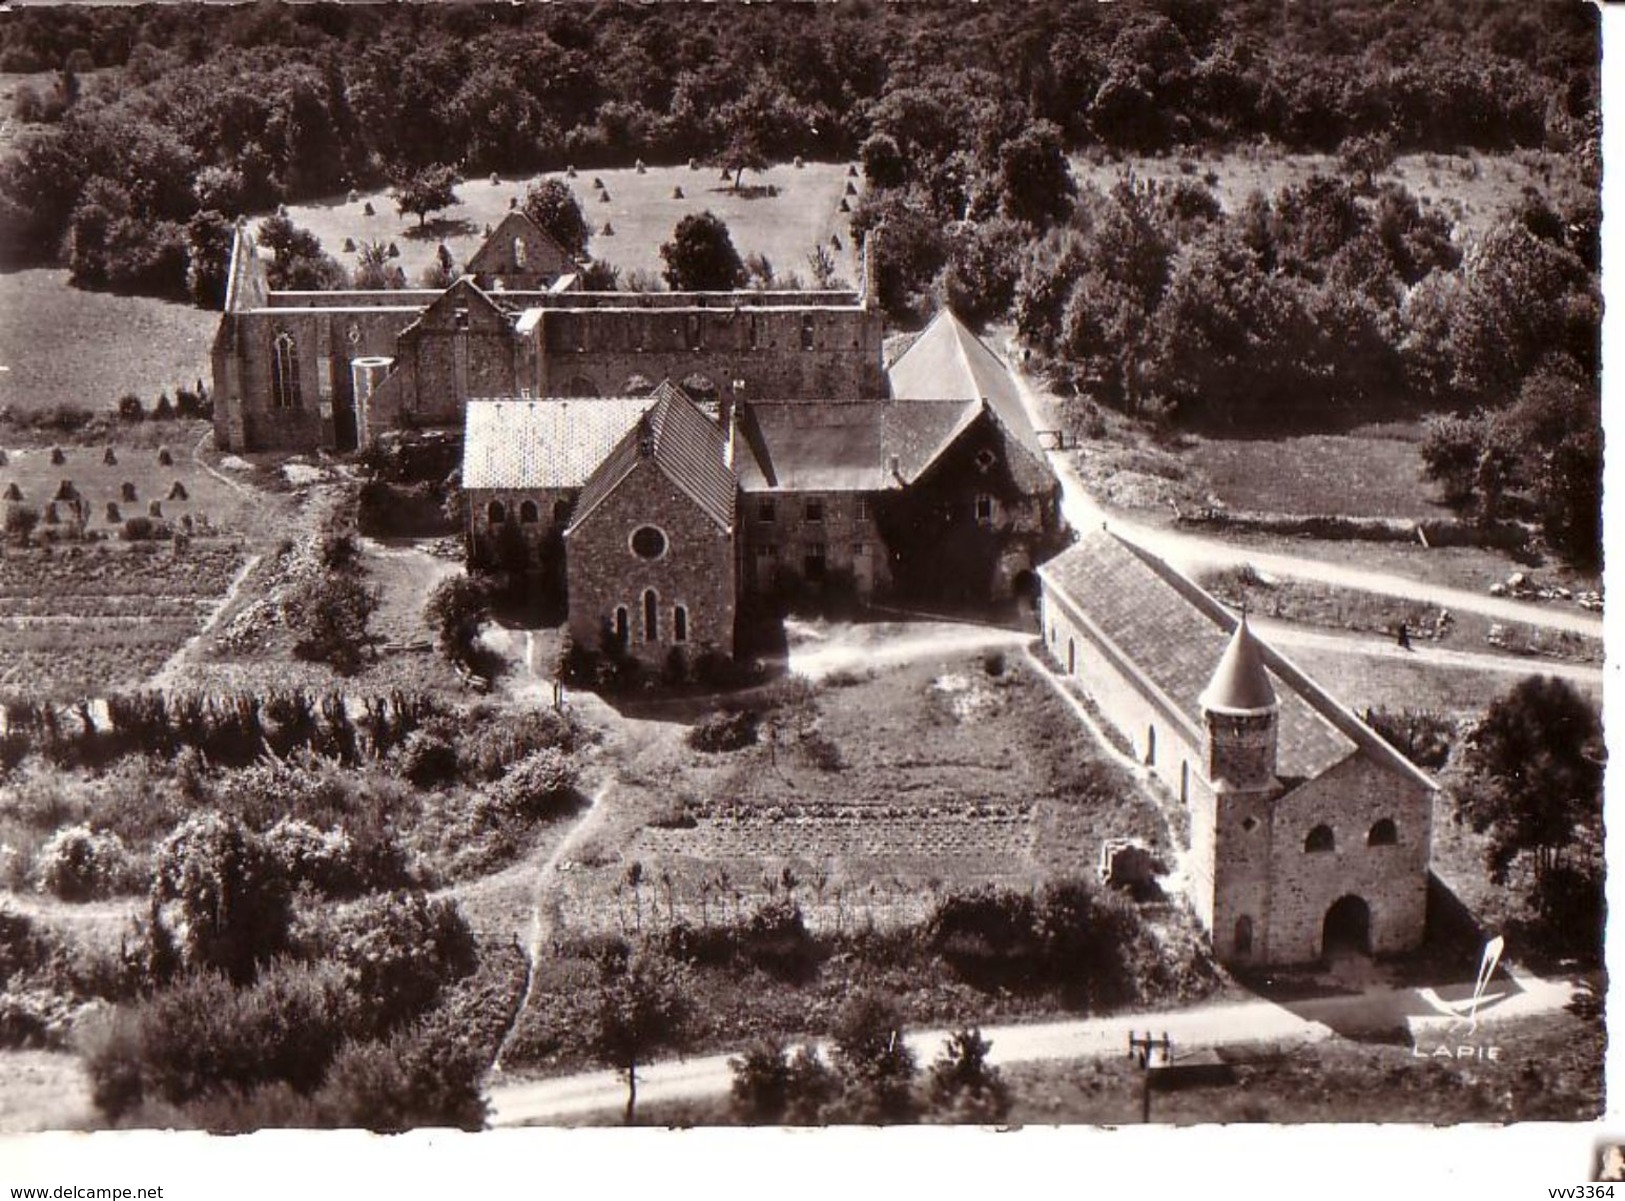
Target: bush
724, 730
541, 784
396, 951
775, 938
761, 1083
326, 860
79, 864
456, 609
328, 615
428, 759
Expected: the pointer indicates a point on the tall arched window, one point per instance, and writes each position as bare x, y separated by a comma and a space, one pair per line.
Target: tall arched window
623, 627
679, 624
285, 372
651, 616
529, 514
1383, 834
496, 513
1320, 839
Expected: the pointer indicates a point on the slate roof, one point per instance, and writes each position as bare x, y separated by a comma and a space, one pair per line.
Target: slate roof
518, 443
948, 362
686, 447
845, 446
1175, 635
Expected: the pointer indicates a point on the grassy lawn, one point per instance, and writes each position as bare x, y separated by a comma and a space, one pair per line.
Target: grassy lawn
60, 345
44, 1090
1357, 475
641, 209
1473, 189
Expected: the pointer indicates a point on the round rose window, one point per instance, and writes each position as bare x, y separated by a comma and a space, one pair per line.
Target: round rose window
648, 542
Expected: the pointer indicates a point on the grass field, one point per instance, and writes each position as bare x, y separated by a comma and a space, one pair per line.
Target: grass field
1472, 189
60, 345
641, 209
949, 777
1358, 475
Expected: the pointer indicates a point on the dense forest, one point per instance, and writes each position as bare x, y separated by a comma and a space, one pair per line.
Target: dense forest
234, 109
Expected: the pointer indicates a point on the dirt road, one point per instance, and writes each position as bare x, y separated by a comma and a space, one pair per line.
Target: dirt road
1192, 553
1391, 1013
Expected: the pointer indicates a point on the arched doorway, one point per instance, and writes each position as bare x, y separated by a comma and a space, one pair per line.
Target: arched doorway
1347, 929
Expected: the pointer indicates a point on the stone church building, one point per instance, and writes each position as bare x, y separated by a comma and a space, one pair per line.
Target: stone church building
1308, 831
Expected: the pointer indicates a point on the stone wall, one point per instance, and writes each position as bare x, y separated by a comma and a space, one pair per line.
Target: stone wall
805, 354
776, 551
696, 571
1392, 880
486, 539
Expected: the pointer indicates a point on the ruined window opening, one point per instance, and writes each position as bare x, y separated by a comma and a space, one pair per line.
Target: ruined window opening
285, 372
814, 511
1320, 839
529, 514
806, 331
519, 253
692, 331
679, 624
984, 509
622, 626
496, 512
1244, 935
766, 510
651, 616
459, 317
755, 333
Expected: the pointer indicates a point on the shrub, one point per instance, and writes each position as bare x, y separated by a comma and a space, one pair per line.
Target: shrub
965, 1088
130, 408
326, 860
79, 864
425, 1076
230, 896
761, 1083
428, 759
328, 615
724, 730
397, 951
775, 937
456, 609
540, 785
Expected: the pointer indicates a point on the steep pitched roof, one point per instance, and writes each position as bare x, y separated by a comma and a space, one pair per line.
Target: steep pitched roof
683, 445
518, 444
1240, 684
1173, 643
949, 362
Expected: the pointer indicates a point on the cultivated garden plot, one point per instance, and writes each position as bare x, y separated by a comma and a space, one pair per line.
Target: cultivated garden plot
781, 213
896, 787
96, 602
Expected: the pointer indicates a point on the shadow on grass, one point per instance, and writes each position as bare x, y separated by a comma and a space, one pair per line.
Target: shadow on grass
440, 229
